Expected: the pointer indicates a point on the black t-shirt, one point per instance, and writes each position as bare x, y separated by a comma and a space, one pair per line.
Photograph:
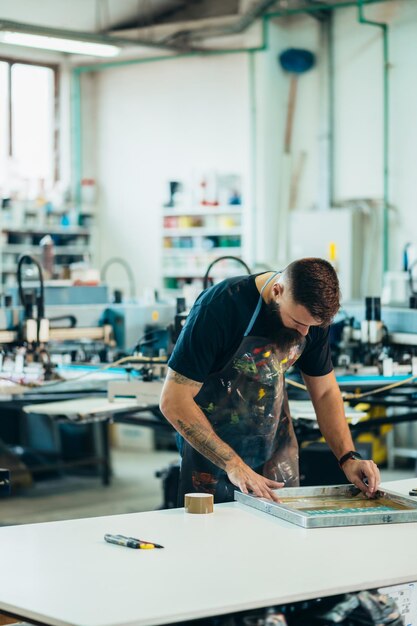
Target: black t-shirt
216, 325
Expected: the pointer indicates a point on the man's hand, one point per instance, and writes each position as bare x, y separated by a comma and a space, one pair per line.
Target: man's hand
358, 471
249, 481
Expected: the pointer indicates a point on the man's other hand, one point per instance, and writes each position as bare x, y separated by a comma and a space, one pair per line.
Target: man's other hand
249, 481
364, 474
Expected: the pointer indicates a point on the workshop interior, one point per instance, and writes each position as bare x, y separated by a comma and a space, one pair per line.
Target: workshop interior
150, 149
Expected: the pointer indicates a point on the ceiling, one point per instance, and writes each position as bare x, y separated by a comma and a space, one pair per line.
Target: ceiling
103, 16
109, 15
165, 24
174, 24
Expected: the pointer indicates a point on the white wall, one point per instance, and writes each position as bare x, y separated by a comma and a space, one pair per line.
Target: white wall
272, 92
358, 140
146, 124
158, 122
358, 137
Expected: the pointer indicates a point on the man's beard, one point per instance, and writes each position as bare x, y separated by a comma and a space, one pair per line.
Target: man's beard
284, 337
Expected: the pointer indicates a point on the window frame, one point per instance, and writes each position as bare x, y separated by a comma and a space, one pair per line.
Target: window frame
56, 106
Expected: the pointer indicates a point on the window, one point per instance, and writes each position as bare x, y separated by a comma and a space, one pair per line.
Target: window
27, 125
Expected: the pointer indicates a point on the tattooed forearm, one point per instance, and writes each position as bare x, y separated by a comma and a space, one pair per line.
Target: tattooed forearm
207, 443
181, 410
180, 379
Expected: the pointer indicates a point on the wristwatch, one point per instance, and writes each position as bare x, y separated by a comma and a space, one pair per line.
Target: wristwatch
352, 454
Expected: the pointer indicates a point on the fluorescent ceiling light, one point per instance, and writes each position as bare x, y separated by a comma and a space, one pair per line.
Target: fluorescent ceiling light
72, 46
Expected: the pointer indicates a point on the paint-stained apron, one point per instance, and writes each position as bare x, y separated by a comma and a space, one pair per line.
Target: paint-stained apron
246, 403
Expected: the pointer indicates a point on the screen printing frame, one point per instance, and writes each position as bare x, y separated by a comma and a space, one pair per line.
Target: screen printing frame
300, 518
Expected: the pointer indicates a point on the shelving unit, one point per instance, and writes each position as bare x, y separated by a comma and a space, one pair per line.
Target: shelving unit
71, 244
193, 237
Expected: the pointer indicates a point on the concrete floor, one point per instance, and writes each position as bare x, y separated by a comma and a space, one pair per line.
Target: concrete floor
134, 488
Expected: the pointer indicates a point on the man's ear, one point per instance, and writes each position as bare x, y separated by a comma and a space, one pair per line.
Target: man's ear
278, 289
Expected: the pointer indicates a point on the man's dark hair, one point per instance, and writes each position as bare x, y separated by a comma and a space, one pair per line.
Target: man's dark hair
313, 284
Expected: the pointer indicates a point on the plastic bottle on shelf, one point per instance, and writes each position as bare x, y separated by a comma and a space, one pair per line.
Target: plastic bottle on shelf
184, 221
235, 199
88, 192
41, 195
227, 221
47, 255
65, 220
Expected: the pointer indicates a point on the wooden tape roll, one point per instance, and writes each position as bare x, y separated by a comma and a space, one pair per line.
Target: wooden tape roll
198, 503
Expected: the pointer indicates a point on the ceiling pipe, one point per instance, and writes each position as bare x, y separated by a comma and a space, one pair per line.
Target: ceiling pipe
322, 6
32, 29
179, 42
329, 26
385, 227
181, 11
261, 8
220, 31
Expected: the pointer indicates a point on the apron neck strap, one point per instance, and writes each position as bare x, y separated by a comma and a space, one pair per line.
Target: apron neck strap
258, 306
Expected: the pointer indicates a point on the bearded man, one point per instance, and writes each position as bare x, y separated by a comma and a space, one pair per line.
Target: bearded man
225, 390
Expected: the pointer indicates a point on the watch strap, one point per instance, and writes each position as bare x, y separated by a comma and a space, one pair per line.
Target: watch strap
352, 454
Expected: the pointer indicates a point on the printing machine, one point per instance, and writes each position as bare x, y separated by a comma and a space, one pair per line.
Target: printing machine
56, 352
55, 340
374, 351
78, 324
368, 339
61, 324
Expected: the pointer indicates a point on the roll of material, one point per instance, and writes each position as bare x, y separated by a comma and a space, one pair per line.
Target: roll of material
198, 503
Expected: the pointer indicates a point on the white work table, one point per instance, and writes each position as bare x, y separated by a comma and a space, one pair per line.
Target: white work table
99, 406
64, 574
85, 407
80, 408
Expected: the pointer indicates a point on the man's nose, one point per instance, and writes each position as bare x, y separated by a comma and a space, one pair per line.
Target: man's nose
303, 330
